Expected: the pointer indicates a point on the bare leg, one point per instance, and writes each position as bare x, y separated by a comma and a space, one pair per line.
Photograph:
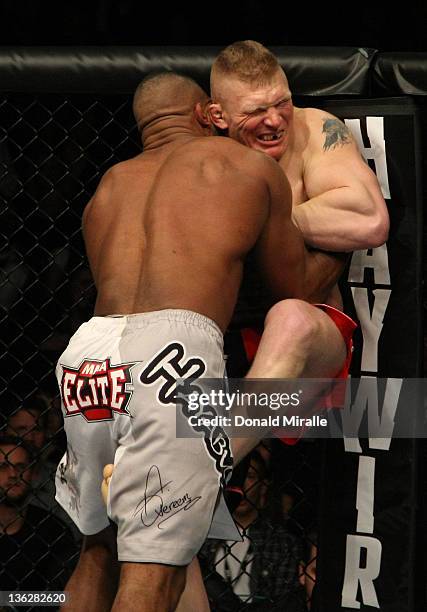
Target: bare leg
153, 586
149, 587
194, 598
299, 341
93, 584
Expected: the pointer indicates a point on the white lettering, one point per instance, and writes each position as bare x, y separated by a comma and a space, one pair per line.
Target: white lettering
365, 495
377, 259
116, 389
380, 428
377, 152
365, 576
371, 324
92, 383
83, 402
69, 380
88, 369
102, 383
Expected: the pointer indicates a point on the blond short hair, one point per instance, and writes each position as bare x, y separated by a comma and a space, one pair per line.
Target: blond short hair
247, 60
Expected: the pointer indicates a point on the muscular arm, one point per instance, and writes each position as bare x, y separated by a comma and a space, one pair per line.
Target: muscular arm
345, 209
289, 268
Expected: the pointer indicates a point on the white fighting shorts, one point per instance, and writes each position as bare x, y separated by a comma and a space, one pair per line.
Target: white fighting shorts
117, 380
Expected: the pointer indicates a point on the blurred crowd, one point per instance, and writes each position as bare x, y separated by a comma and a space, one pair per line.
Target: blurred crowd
272, 567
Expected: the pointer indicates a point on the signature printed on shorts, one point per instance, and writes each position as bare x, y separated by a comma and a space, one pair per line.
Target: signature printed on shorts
152, 507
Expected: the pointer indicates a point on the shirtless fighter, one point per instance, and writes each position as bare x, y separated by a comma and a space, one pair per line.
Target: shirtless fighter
337, 201
166, 235
336, 198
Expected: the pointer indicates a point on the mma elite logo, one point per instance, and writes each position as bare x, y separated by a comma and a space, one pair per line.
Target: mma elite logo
96, 389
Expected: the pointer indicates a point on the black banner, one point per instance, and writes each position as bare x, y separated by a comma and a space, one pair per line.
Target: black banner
369, 495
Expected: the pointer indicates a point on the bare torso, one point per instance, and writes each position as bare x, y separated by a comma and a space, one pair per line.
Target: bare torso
293, 164
171, 227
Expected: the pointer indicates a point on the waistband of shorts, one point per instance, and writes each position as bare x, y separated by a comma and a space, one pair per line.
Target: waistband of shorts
116, 323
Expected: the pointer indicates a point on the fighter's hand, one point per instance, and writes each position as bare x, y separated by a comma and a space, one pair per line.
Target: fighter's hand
107, 473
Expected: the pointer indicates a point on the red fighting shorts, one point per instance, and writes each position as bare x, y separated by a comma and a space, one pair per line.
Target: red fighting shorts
346, 325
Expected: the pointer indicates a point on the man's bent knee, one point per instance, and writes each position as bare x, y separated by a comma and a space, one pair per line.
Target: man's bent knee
308, 333
294, 319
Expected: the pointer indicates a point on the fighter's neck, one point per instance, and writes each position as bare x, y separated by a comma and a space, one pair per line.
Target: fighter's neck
165, 133
164, 140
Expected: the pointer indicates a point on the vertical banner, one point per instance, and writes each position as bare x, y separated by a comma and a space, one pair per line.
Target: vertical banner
367, 525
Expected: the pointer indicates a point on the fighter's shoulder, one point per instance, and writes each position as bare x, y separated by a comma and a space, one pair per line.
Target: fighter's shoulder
243, 155
226, 152
222, 145
318, 121
123, 170
118, 175
326, 132
310, 120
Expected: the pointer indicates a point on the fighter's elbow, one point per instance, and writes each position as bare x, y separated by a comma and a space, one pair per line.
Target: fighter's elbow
377, 230
376, 223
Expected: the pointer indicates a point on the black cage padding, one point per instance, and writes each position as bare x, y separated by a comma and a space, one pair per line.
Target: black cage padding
325, 71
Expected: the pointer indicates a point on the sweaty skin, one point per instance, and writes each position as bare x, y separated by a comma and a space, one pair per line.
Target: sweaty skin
337, 201
169, 227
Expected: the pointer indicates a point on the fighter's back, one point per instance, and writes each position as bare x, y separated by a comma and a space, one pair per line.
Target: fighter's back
171, 228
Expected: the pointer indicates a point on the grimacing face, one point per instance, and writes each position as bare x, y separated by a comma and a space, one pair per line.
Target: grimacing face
258, 116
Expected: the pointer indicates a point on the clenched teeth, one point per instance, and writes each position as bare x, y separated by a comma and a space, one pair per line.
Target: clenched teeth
270, 137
